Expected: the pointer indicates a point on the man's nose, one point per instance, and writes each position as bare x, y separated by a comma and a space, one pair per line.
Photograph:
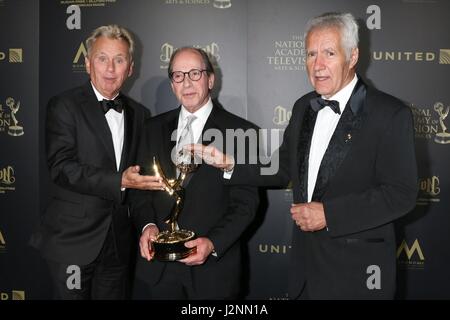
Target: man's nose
187, 82
319, 62
110, 66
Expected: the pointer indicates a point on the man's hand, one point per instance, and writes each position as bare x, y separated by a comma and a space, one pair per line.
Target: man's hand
204, 249
145, 242
212, 156
309, 216
132, 179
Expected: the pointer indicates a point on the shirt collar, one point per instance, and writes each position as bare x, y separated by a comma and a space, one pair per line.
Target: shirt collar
202, 114
99, 96
344, 94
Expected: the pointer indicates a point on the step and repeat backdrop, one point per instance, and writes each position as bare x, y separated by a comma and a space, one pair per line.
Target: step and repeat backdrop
259, 52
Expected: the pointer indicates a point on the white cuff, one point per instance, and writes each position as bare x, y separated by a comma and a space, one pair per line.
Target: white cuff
148, 224
227, 174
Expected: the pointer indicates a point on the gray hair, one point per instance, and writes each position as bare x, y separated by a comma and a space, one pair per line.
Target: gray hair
205, 58
345, 22
112, 31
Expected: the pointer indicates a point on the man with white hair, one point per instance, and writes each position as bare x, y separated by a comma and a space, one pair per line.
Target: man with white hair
349, 152
92, 134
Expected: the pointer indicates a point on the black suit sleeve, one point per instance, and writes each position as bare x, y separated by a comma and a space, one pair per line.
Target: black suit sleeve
64, 167
243, 200
396, 184
273, 171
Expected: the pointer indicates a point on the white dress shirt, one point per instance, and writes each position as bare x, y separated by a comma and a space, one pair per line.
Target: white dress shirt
326, 123
116, 126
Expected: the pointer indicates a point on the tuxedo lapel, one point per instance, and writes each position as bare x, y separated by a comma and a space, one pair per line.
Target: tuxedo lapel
129, 132
211, 123
96, 118
342, 140
304, 145
168, 145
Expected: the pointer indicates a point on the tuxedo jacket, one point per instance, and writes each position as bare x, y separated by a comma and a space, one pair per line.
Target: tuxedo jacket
367, 179
85, 185
211, 209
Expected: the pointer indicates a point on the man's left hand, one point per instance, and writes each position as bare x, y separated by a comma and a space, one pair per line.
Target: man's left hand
204, 249
309, 216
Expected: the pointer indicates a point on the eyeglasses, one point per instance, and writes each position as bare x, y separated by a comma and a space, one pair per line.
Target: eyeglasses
194, 75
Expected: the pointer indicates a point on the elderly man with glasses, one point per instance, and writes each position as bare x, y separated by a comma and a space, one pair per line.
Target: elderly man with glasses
216, 213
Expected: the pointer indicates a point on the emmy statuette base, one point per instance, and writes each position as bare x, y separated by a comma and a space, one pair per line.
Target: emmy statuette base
169, 246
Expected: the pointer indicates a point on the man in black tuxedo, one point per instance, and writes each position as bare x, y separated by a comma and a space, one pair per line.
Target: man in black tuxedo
217, 213
349, 152
92, 134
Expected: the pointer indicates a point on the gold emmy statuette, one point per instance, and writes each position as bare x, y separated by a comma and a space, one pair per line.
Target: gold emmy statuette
442, 137
169, 244
14, 130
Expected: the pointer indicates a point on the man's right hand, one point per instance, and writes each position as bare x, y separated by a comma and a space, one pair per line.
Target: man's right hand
132, 179
145, 242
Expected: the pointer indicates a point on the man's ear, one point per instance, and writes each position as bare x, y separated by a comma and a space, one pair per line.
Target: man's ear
354, 57
211, 80
87, 62
130, 72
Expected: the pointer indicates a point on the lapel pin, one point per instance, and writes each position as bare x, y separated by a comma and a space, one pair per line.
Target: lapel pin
348, 137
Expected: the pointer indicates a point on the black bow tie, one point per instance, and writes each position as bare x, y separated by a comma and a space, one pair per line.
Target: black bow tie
115, 104
319, 103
